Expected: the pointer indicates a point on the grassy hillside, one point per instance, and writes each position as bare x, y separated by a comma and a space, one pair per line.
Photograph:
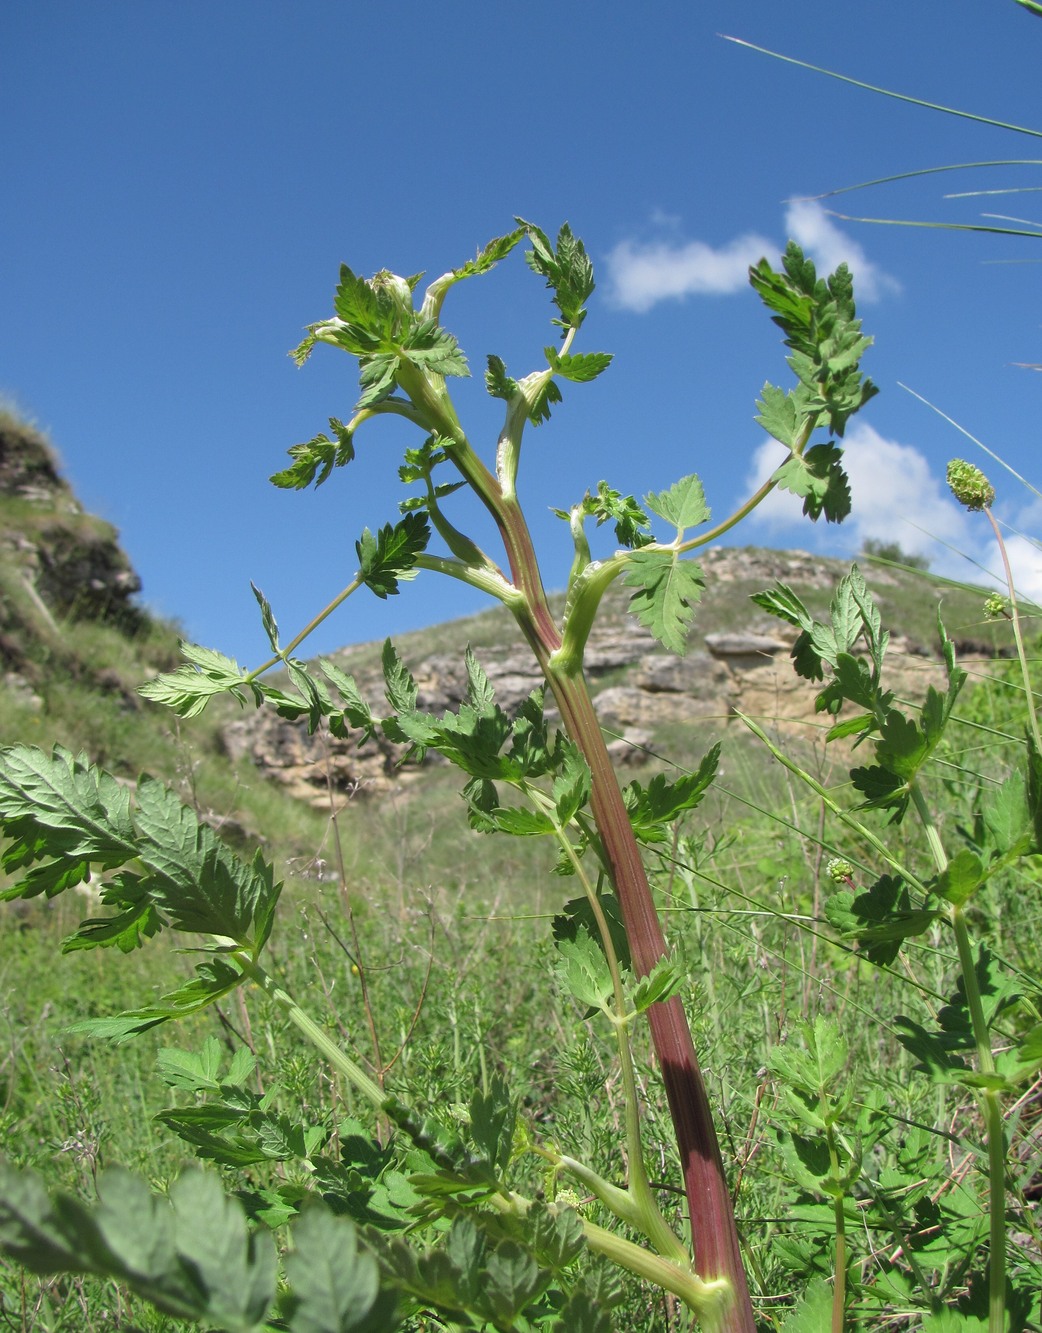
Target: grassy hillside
425, 946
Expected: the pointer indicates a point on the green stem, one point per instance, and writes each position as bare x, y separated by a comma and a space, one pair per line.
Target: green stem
1017, 635
991, 1106
341, 1062
644, 1212
993, 1127
706, 1299
839, 1290
312, 625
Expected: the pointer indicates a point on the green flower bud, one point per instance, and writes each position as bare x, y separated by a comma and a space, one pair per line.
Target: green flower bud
996, 607
388, 284
839, 870
969, 485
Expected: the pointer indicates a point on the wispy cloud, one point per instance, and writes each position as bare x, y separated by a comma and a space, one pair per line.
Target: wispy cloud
896, 498
641, 274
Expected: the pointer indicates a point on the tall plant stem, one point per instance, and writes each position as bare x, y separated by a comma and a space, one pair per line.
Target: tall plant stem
714, 1234
991, 1106
713, 1231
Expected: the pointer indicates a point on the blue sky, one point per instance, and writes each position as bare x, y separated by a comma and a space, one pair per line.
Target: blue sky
184, 180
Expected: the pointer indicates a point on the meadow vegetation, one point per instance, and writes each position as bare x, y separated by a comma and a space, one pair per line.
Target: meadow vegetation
457, 1093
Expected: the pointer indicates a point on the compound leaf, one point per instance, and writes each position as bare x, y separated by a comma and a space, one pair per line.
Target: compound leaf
668, 589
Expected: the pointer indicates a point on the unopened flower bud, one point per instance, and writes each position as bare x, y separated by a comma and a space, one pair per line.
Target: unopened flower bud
839, 870
969, 485
396, 288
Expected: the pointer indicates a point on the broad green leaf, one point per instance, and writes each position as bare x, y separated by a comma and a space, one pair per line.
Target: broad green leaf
201, 885
334, 1284
571, 789
566, 268
398, 681
75, 811
1007, 818
817, 477
936, 1052
190, 1254
961, 879
782, 602
195, 1071
213, 979
879, 919
492, 1118
271, 628
814, 1312
497, 381
579, 368
584, 970
578, 918
778, 414
434, 349
683, 505
512, 1279
668, 590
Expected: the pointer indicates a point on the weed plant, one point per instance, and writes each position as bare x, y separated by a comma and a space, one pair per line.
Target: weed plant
446, 1137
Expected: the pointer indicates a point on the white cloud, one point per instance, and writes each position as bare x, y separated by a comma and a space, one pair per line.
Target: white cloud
896, 498
811, 227
641, 274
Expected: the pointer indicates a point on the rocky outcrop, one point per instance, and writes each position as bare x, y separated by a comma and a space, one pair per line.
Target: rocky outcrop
58, 561
644, 696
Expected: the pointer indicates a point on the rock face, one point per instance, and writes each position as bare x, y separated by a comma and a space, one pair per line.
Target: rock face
643, 695
58, 560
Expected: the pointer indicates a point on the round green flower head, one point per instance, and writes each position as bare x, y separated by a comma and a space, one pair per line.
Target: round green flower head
839, 869
969, 484
996, 607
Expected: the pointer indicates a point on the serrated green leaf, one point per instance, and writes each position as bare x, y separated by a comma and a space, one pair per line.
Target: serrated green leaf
213, 979
61, 807
817, 477
191, 687
778, 414
1007, 818
961, 879
497, 381
391, 554
492, 1119
189, 1255
668, 590
195, 1071
566, 268
652, 810
579, 368
666, 979
271, 628
879, 919
814, 1312
314, 461
584, 969
683, 505
631, 522
512, 1279
571, 788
